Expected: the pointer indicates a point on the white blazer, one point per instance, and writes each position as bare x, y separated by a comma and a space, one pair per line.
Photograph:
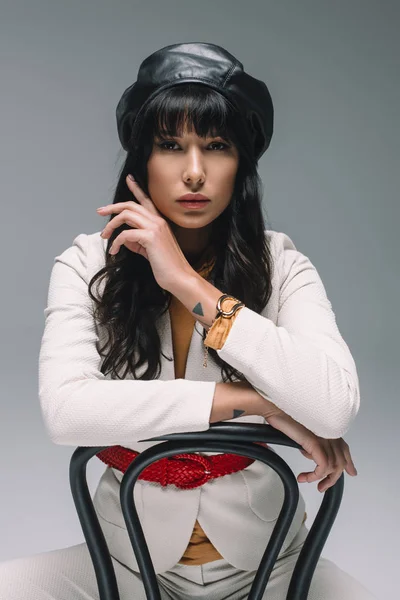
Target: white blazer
292, 353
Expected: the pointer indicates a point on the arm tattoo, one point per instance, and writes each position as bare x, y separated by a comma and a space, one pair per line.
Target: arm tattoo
198, 309
237, 413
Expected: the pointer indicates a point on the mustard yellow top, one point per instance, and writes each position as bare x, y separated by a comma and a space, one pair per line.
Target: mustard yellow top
199, 550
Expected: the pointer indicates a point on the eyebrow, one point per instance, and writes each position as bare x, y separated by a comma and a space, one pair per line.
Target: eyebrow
177, 137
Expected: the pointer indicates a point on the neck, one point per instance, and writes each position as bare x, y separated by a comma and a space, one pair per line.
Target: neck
193, 242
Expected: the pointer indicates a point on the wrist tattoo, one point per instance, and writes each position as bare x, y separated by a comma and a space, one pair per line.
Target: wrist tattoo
237, 413
198, 309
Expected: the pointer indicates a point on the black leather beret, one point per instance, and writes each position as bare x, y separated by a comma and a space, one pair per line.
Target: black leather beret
202, 63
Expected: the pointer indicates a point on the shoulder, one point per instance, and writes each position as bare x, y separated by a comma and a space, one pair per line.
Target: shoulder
279, 241
296, 273
86, 254
283, 250
293, 267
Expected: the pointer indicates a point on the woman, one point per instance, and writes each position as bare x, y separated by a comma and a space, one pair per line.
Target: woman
124, 363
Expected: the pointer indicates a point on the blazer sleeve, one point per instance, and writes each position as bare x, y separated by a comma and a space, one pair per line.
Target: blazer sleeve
301, 363
79, 405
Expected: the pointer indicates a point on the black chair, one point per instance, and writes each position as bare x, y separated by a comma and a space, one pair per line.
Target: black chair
235, 438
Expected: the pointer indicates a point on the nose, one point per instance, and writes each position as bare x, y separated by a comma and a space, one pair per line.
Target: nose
193, 171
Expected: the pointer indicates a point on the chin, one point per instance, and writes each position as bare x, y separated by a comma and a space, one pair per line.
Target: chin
194, 223
189, 221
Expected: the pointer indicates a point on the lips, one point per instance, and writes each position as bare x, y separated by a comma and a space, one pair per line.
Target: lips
193, 198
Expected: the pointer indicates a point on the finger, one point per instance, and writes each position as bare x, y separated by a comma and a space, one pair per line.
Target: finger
305, 453
332, 478
337, 462
350, 467
133, 236
343, 461
320, 457
127, 216
303, 476
136, 189
111, 208
139, 194
329, 481
335, 457
120, 206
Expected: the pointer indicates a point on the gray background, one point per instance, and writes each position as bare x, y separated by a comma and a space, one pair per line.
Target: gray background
331, 180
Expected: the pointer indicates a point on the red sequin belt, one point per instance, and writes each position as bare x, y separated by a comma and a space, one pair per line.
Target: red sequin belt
185, 471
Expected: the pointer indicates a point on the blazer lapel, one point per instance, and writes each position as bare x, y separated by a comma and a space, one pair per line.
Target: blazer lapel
194, 364
165, 333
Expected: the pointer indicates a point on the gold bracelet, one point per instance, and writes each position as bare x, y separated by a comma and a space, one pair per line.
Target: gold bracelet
222, 313
229, 313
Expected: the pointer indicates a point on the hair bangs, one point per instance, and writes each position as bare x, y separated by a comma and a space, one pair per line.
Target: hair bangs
192, 107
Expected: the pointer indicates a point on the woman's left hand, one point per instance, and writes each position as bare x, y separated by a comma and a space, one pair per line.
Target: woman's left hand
332, 456
150, 237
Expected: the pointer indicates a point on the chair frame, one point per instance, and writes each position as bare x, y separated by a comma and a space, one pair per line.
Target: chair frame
235, 438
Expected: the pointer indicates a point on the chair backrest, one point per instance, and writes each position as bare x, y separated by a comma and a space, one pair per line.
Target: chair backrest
235, 438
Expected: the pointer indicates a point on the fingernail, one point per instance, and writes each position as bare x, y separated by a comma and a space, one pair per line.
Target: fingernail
100, 208
131, 177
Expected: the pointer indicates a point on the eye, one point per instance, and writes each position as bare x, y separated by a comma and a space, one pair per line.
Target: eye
224, 146
163, 144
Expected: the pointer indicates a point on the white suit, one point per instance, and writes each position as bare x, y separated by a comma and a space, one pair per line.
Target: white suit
292, 353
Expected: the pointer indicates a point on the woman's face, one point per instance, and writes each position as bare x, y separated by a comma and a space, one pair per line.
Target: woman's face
191, 164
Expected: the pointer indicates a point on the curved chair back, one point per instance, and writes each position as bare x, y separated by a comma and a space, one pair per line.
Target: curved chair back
235, 438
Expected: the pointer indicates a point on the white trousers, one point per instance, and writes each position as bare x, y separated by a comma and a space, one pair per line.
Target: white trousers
68, 574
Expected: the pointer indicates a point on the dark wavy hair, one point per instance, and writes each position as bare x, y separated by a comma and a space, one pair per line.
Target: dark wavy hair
132, 300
